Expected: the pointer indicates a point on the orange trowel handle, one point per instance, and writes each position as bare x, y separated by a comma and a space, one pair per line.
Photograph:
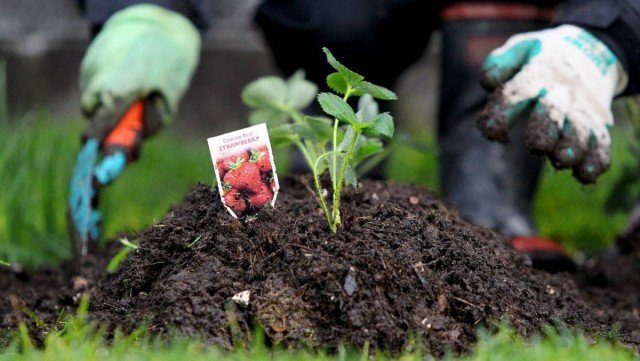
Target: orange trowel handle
129, 129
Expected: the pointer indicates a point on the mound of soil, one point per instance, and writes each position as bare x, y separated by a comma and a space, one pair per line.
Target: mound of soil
404, 269
404, 265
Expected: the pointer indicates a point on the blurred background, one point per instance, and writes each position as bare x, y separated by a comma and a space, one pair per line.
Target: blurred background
41, 47
43, 43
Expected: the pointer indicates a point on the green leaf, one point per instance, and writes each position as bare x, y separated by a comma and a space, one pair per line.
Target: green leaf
300, 91
345, 141
350, 176
282, 135
315, 129
304, 130
113, 264
336, 82
343, 146
271, 116
382, 124
321, 127
365, 148
125, 242
266, 92
335, 106
350, 77
341, 131
367, 108
377, 91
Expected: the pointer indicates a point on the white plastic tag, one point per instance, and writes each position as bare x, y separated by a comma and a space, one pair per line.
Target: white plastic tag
245, 171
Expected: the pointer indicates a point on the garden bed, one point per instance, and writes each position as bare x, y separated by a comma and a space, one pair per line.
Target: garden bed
403, 270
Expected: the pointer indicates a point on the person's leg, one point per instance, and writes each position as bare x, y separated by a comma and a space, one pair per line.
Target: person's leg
366, 35
369, 36
492, 184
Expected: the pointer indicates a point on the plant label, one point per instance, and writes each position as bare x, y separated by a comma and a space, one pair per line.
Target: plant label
245, 171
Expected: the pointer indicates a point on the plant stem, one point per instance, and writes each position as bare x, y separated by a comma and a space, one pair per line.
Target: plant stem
334, 159
316, 180
334, 216
305, 153
297, 117
334, 220
311, 150
338, 190
323, 203
294, 114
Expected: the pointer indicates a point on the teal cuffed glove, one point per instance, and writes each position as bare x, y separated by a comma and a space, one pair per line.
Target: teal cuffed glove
563, 81
143, 52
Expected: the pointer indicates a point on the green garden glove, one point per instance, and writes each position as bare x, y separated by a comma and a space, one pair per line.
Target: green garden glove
132, 78
564, 79
142, 52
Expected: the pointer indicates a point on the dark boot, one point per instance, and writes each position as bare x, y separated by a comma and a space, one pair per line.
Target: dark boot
492, 184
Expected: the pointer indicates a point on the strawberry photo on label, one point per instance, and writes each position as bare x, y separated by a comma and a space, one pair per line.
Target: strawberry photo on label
262, 197
260, 156
234, 199
245, 178
225, 164
245, 173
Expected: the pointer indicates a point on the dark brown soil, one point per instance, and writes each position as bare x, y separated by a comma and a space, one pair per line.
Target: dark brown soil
43, 298
403, 267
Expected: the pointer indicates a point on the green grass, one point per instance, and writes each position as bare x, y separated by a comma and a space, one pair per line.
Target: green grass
76, 340
552, 345
33, 174
35, 167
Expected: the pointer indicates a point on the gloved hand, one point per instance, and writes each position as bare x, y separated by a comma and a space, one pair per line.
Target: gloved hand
564, 79
132, 77
142, 52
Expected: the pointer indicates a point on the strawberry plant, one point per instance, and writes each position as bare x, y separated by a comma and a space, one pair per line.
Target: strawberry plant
337, 143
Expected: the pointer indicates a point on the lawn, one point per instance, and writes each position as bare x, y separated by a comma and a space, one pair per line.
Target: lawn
78, 341
37, 155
